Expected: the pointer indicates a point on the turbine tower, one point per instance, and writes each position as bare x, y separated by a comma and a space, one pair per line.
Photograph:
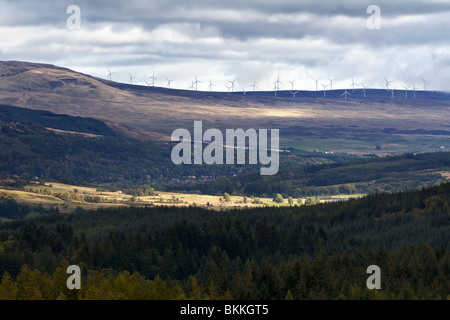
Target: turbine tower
353, 85
387, 83
316, 80
168, 82
153, 79
294, 93
109, 74
131, 78
414, 90
392, 93
346, 94
210, 85
364, 89
277, 84
406, 92
424, 82
324, 91
292, 84
232, 84
196, 83
331, 83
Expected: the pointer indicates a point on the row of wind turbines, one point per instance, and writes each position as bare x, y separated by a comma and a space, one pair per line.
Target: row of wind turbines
276, 83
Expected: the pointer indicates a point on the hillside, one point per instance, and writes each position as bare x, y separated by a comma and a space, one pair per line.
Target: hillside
307, 252
82, 150
376, 124
395, 173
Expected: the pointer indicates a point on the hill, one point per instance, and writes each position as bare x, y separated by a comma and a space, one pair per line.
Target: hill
376, 124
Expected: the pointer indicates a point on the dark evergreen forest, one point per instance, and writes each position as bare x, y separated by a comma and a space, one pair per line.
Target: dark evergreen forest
298, 252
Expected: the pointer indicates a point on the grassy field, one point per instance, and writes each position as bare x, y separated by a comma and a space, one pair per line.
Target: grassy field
64, 197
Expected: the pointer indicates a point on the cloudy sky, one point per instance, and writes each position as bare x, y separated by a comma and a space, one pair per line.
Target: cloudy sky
250, 41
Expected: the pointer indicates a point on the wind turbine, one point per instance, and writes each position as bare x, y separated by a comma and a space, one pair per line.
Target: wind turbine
109, 74
414, 90
392, 93
364, 89
406, 92
387, 83
316, 80
275, 88
277, 83
331, 83
424, 82
210, 85
324, 86
153, 79
353, 85
192, 86
292, 84
346, 94
196, 83
243, 90
232, 84
229, 88
148, 84
131, 78
254, 86
168, 82
294, 93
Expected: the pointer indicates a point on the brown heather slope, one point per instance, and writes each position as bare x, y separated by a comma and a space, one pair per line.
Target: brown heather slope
309, 121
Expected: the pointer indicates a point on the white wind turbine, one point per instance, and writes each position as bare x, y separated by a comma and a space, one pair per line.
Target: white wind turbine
232, 84
210, 85
228, 87
109, 74
364, 89
414, 90
387, 83
331, 83
346, 94
406, 91
424, 82
316, 80
294, 93
196, 82
153, 79
254, 86
277, 84
169, 82
131, 78
324, 87
392, 93
353, 85
292, 84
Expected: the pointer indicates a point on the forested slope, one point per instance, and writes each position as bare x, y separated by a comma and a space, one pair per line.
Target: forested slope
307, 252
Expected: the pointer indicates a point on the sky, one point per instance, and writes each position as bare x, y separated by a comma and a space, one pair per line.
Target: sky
248, 42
